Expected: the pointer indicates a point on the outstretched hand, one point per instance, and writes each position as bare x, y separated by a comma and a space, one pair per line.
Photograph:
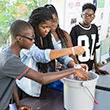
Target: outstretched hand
78, 50
25, 107
101, 72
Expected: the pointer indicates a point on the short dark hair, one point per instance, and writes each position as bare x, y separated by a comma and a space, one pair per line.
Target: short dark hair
18, 27
88, 6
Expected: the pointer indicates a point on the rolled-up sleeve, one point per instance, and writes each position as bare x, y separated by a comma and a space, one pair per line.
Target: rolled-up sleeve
37, 54
65, 60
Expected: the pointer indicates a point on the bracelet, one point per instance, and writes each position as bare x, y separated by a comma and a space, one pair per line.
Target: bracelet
73, 51
77, 66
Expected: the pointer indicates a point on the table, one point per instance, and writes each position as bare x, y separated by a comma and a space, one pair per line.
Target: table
104, 80
53, 99
50, 100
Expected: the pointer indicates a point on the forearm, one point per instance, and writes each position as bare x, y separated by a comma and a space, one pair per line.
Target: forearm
48, 77
16, 97
74, 58
51, 77
95, 63
59, 53
71, 64
17, 101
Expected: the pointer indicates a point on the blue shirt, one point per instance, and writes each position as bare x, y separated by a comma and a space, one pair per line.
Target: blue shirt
30, 57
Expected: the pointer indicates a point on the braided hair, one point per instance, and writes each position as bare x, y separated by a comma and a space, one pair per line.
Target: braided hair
38, 16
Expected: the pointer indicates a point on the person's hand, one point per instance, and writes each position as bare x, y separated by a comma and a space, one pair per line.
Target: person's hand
78, 50
81, 73
25, 107
101, 72
85, 67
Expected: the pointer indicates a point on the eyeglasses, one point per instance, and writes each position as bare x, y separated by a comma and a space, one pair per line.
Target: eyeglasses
29, 38
89, 15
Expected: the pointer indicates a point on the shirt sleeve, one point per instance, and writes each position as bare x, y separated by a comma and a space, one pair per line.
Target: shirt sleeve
15, 68
37, 54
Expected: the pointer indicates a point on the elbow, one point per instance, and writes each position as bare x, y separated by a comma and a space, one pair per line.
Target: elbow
43, 80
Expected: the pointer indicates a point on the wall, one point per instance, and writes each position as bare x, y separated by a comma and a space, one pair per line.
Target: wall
69, 12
